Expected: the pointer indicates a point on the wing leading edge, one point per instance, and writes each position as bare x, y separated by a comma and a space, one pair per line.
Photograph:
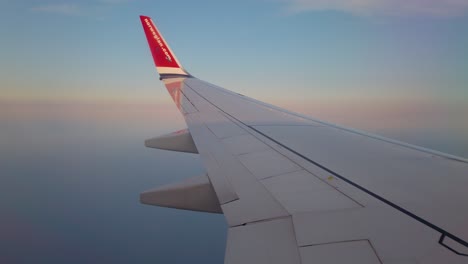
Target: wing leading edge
298, 190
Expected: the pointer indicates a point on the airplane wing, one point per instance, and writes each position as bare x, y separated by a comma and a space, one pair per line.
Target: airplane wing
295, 189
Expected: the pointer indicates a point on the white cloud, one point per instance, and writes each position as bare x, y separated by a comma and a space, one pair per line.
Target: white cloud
63, 9
437, 8
114, 1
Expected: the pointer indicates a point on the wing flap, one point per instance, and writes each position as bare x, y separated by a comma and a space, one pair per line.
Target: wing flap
357, 251
263, 242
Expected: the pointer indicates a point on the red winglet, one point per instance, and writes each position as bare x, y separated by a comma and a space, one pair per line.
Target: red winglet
164, 58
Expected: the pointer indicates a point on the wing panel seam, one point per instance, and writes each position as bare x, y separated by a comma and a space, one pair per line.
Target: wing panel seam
443, 232
395, 206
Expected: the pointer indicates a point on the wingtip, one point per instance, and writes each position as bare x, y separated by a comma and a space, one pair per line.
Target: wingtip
164, 59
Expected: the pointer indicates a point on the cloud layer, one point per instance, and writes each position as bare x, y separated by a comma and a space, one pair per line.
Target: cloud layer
75, 8
63, 9
434, 8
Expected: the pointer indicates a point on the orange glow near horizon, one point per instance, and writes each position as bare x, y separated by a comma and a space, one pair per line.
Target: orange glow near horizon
374, 116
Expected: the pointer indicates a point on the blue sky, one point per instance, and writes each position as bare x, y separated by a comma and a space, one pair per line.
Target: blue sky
95, 50
367, 64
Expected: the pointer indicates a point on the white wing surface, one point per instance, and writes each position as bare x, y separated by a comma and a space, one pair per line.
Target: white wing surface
298, 190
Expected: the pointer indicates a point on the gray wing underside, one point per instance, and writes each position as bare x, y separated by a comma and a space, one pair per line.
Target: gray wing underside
298, 190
